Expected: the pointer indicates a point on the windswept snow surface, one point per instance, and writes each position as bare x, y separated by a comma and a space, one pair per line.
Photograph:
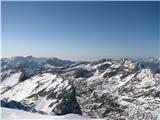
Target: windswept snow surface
12, 114
28, 87
11, 80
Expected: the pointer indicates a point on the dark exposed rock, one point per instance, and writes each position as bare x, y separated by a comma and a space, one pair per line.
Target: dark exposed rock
16, 105
103, 67
110, 74
82, 73
68, 104
22, 77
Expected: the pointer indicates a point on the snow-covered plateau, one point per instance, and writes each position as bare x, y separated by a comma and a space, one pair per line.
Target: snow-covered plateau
50, 88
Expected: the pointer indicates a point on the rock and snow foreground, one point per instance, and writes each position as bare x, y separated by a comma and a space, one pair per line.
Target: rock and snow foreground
110, 89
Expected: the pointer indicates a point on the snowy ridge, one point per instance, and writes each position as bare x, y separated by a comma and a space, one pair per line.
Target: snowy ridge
110, 89
42, 91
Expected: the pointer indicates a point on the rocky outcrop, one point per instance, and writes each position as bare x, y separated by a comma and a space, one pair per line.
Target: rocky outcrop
81, 73
23, 77
16, 105
68, 104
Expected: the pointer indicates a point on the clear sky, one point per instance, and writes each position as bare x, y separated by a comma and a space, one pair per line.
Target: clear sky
80, 30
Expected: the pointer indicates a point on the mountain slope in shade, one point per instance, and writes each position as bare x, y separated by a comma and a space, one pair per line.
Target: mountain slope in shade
111, 89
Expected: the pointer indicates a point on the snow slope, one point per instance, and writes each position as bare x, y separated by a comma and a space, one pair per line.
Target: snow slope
12, 114
46, 92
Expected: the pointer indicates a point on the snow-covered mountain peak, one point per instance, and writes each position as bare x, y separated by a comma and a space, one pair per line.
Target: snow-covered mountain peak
106, 88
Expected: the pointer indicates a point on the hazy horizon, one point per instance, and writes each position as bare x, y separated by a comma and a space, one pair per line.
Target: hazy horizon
80, 30
88, 60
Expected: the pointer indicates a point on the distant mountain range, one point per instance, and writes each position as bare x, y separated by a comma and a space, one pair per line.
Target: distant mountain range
32, 62
121, 89
152, 63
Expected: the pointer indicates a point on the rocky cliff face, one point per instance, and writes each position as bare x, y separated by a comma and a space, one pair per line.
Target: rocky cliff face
111, 89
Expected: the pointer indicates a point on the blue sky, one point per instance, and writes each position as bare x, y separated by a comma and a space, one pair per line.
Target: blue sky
80, 30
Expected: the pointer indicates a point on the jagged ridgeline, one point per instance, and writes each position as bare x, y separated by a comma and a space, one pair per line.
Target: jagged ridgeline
111, 89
